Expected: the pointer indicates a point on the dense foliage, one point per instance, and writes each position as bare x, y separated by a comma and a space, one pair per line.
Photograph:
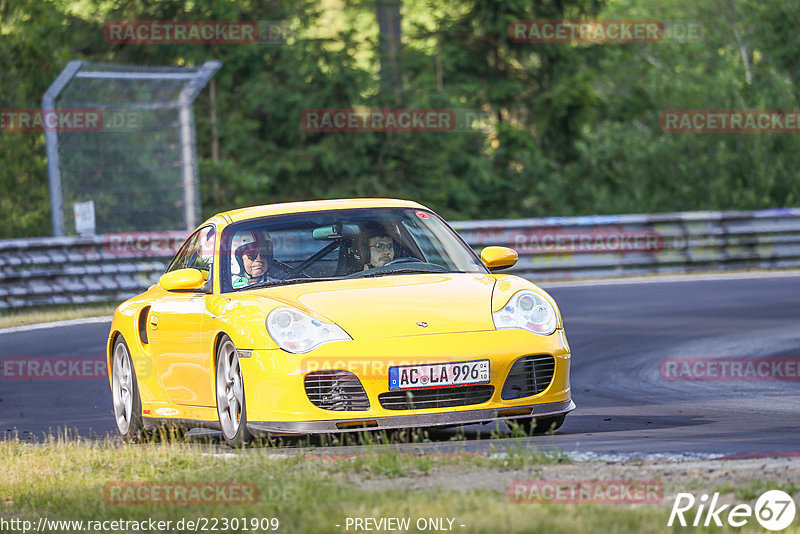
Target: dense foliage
569, 128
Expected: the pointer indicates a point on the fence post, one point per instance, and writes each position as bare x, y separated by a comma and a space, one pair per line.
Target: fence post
51, 141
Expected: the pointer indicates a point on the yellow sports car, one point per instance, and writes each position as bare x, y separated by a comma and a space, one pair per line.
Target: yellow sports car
335, 316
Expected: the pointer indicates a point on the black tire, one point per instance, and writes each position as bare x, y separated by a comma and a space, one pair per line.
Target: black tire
126, 402
541, 425
229, 388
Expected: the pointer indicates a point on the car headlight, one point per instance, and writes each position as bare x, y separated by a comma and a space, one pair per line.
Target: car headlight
528, 311
297, 332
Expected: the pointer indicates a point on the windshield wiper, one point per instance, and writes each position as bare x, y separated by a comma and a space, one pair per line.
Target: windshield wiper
404, 270
288, 281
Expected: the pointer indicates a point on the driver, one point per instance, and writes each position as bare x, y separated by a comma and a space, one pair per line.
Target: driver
378, 249
252, 257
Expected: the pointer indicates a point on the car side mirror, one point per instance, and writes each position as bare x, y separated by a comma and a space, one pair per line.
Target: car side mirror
496, 258
182, 280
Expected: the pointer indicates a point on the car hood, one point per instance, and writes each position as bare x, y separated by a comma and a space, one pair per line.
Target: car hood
397, 305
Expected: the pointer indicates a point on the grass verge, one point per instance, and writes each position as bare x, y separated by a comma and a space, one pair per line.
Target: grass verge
65, 480
754, 488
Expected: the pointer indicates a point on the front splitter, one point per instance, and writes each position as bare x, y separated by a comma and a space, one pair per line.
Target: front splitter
409, 421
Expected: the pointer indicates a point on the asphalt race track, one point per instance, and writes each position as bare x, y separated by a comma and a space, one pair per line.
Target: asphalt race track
619, 334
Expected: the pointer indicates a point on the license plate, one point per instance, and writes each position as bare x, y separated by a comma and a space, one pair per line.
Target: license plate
437, 375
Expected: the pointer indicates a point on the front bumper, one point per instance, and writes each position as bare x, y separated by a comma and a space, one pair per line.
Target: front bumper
410, 421
277, 401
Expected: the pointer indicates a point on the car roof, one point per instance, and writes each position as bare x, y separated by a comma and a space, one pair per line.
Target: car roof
242, 214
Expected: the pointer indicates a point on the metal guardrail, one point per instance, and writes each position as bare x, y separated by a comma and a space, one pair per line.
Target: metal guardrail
626, 245
80, 270
63, 270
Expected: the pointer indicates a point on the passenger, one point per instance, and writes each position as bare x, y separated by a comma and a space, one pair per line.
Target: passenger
376, 249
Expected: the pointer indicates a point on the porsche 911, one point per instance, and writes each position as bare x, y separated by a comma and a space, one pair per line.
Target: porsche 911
336, 316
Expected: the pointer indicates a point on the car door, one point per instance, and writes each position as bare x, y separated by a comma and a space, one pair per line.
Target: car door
175, 325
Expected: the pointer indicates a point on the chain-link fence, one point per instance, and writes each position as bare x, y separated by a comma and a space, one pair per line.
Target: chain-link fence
124, 146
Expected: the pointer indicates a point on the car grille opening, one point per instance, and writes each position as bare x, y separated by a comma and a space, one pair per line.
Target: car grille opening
420, 399
530, 375
143, 324
356, 424
340, 391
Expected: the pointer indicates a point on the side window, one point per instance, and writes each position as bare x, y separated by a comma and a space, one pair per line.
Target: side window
197, 252
180, 259
204, 259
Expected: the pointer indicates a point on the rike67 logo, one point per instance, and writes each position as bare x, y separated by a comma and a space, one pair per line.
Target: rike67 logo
774, 510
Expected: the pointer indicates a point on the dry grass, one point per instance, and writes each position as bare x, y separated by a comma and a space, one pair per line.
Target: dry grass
64, 479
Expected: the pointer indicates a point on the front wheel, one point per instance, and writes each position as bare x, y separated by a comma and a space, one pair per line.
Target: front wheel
231, 407
542, 425
125, 393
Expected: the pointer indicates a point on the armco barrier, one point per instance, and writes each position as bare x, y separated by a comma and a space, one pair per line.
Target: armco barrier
63, 270
623, 245
80, 270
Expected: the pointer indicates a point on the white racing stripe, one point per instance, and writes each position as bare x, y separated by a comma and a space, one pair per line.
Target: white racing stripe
627, 456
624, 457
669, 278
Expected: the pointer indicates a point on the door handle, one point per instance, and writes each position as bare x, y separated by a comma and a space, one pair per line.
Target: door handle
153, 322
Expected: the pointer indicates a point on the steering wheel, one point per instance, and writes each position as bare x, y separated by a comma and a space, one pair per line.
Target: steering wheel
404, 259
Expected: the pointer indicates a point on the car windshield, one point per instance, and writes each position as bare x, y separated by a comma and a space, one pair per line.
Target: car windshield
330, 245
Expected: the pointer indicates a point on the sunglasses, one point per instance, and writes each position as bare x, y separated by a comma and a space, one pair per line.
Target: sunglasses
255, 254
382, 247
